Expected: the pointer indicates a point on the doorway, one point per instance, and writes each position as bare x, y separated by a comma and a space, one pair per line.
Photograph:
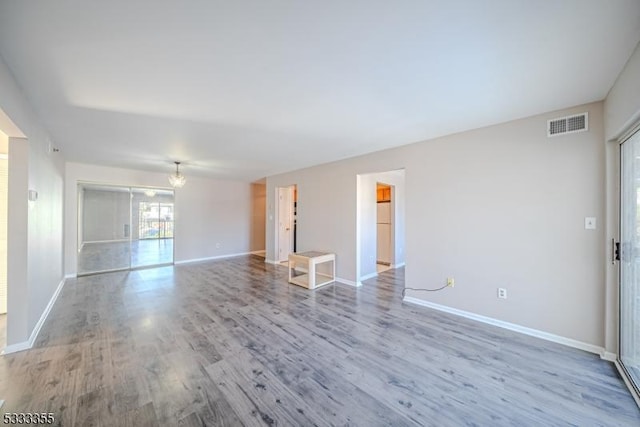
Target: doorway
384, 226
121, 228
286, 224
380, 228
629, 339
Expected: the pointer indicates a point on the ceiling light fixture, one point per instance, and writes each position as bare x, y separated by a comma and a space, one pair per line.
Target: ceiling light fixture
150, 193
177, 180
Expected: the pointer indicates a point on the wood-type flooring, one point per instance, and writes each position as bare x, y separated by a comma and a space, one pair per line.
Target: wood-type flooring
230, 343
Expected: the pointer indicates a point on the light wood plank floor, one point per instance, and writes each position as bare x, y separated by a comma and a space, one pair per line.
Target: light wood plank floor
231, 343
102, 256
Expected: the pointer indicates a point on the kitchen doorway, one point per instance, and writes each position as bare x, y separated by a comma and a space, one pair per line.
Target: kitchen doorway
385, 235
380, 223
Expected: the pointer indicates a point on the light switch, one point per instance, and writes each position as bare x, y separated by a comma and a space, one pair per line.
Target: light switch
590, 223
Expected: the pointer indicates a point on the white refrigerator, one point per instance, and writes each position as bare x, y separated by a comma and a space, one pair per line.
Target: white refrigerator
384, 233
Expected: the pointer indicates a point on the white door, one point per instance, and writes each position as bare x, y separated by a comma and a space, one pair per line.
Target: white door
285, 223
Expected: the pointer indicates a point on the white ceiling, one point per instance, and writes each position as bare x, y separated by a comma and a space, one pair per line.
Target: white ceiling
246, 89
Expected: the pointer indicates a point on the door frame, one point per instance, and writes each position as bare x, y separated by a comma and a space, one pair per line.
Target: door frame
80, 224
633, 387
392, 231
291, 189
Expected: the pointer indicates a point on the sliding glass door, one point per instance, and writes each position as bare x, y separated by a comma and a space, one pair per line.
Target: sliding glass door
104, 230
152, 241
123, 227
630, 258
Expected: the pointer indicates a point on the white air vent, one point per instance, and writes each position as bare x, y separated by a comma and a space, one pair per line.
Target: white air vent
569, 124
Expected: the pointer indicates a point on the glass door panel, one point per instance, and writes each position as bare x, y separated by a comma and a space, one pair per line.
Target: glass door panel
152, 237
104, 228
630, 258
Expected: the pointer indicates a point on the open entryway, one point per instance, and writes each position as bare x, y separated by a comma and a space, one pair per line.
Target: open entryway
286, 222
123, 227
380, 223
385, 235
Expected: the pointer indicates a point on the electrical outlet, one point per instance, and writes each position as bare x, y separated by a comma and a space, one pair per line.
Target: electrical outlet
502, 293
450, 282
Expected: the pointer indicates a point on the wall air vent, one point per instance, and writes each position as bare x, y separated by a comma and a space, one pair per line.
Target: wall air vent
569, 124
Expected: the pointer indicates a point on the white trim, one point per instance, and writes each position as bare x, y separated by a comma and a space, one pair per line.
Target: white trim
14, 348
262, 252
26, 345
633, 128
45, 313
107, 241
632, 390
70, 276
270, 261
368, 276
510, 326
609, 356
212, 258
348, 282
402, 264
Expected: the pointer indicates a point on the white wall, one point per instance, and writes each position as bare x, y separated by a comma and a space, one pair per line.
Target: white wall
366, 214
622, 105
4, 193
212, 217
621, 112
35, 235
19, 295
502, 206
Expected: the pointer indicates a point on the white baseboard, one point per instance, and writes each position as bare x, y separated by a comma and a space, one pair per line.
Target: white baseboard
105, 241
262, 252
272, 262
212, 258
368, 276
510, 326
14, 348
26, 345
607, 355
402, 264
348, 282
71, 276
